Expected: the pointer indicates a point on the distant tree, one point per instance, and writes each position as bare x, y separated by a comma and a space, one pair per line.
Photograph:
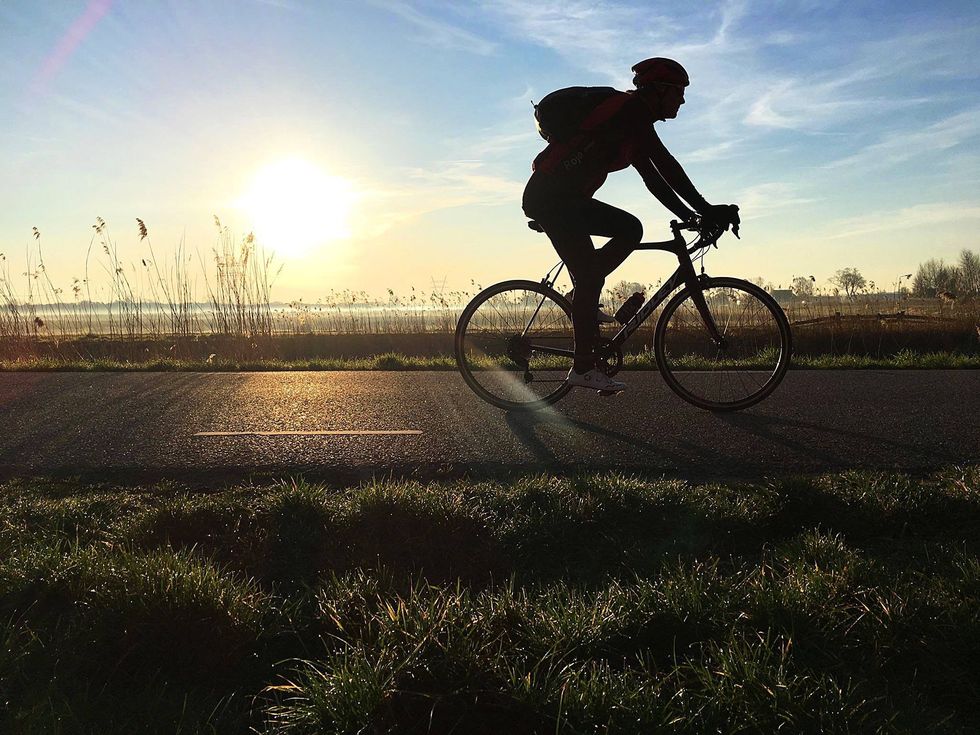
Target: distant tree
969, 273
803, 286
934, 276
761, 282
849, 280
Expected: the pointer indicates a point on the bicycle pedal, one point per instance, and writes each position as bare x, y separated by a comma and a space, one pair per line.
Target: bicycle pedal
608, 392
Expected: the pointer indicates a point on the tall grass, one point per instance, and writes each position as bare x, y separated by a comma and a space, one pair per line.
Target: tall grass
156, 299
130, 295
171, 286
240, 293
148, 298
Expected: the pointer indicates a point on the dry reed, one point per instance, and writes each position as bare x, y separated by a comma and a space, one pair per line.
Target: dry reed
133, 307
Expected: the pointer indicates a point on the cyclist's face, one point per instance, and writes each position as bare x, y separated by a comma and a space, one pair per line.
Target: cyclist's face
664, 99
673, 98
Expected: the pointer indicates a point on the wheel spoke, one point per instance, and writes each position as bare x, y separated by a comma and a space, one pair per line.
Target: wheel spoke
496, 339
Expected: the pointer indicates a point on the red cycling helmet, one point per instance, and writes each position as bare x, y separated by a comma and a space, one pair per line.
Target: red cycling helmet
659, 71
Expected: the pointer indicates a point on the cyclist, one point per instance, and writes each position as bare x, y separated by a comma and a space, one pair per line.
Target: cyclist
559, 195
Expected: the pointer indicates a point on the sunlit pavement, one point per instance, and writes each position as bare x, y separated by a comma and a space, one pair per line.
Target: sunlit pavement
346, 426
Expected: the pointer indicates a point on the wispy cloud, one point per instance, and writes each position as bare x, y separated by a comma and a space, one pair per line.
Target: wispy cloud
454, 183
714, 152
495, 144
513, 132
443, 185
607, 37
762, 200
281, 4
592, 35
900, 146
811, 106
919, 215
718, 42
931, 53
878, 77
438, 32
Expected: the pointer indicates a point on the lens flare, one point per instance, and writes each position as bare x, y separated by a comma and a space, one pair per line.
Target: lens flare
72, 39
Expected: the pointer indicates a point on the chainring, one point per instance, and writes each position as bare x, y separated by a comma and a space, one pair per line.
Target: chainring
608, 356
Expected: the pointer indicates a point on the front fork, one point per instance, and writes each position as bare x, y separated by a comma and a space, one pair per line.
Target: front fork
695, 286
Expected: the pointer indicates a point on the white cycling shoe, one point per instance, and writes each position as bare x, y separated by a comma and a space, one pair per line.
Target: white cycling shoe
595, 379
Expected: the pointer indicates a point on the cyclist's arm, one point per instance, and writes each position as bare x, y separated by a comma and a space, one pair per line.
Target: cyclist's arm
661, 189
674, 177
673, 174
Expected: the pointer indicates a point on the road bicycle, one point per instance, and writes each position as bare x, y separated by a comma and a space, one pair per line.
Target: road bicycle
720, 343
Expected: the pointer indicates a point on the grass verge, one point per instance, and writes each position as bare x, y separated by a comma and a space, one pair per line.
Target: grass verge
606, 603
905, 360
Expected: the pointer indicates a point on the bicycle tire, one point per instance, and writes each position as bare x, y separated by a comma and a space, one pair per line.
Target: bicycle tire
489, 333
754, 360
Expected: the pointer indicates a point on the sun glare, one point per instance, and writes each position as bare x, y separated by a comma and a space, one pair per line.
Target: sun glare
294, 206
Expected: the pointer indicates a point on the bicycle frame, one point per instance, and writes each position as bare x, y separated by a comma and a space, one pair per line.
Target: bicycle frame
738, 361
684, 275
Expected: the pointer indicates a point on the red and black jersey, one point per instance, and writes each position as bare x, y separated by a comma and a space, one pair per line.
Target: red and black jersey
617, 134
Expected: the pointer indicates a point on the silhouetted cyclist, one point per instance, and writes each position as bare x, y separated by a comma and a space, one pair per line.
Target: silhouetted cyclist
559, 195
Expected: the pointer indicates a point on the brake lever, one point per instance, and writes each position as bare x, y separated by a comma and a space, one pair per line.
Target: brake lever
713, 233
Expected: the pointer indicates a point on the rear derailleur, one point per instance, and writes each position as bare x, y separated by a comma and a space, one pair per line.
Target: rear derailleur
519, 351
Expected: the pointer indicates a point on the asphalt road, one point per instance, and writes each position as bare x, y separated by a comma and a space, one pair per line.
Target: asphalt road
149, 426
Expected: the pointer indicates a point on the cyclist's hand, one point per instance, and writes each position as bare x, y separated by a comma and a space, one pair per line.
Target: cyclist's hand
722, 216
689, 219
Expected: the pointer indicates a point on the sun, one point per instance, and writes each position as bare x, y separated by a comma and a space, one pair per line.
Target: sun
294, 207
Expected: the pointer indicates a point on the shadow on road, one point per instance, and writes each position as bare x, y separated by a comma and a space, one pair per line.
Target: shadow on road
819, 441
527, 428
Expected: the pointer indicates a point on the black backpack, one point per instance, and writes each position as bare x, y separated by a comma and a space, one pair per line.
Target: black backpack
560, 114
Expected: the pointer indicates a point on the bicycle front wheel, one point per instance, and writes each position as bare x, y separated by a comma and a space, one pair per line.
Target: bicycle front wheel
515, 344
740, 370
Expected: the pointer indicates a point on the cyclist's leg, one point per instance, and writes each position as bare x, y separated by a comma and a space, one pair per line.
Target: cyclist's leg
557, 209
576, 250
569, 222
589, 267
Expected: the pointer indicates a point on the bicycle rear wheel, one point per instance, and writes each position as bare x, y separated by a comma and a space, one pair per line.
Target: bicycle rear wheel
749, 363
514, 345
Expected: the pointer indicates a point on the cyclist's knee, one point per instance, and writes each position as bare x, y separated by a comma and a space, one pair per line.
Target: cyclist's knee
633, 229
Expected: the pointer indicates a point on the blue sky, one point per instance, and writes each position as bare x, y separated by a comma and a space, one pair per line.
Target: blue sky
848, 132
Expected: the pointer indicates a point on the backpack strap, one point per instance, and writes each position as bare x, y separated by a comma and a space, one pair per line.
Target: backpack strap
605, 111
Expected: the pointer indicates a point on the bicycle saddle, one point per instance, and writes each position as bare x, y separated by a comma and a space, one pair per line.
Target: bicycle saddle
535, 226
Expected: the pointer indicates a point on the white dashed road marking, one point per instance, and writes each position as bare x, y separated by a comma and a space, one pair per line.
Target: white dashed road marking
393, 432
